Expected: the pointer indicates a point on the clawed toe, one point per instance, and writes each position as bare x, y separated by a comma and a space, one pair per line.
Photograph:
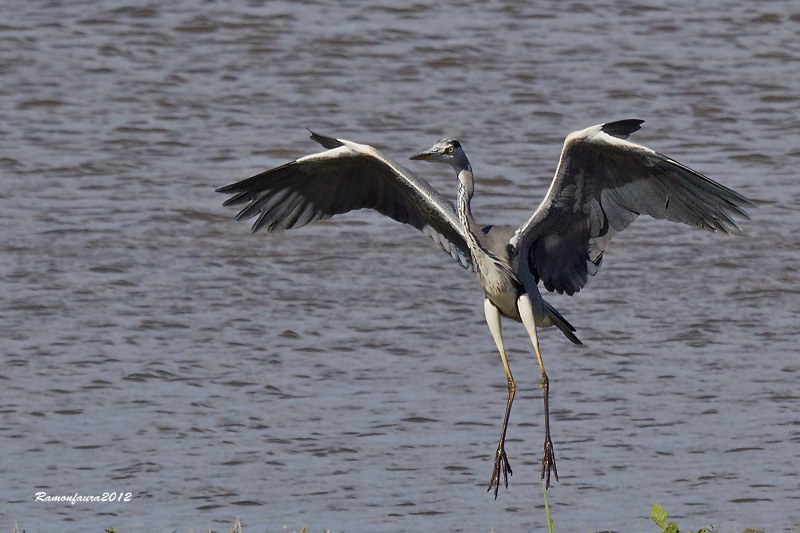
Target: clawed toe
548, 462
500, 465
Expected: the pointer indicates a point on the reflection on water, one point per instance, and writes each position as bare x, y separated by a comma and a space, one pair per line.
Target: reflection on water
341, 376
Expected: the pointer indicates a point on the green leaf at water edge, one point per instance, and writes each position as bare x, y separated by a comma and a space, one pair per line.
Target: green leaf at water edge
659, 516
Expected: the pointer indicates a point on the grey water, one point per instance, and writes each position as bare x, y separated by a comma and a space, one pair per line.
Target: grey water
341, 376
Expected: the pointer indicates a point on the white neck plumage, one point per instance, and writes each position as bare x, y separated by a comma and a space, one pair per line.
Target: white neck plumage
466, 188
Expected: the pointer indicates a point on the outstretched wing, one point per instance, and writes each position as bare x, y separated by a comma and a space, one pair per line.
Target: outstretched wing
602, 184
346, 177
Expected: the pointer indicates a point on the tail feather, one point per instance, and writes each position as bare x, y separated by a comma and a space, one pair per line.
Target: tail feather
562, 323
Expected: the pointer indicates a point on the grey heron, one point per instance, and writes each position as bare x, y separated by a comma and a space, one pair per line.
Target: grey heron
602, 183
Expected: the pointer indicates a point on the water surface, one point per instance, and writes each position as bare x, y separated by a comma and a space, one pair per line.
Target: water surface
341, 376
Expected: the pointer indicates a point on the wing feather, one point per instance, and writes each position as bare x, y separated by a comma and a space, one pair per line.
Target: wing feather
346, 177
602, 184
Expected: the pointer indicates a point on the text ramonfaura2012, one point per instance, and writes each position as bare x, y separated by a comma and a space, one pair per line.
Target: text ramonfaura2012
76, 498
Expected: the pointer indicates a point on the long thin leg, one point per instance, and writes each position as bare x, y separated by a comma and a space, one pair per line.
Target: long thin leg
549, 458
500, 459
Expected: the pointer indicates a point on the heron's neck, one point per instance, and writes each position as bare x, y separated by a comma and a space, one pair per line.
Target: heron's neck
466, 188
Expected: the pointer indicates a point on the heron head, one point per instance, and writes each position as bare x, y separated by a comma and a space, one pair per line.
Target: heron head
445, 151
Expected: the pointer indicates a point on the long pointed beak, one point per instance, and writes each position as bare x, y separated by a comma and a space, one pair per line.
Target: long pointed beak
427, 155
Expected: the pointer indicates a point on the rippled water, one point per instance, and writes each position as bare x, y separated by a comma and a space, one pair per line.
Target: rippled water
341, 376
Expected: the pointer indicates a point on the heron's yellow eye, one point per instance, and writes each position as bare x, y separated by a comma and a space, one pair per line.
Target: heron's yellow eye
449, 149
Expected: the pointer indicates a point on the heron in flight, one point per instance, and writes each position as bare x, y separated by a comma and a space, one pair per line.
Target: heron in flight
603, 182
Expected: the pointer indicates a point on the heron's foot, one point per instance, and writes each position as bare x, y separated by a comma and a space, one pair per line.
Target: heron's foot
500, 466
548, 462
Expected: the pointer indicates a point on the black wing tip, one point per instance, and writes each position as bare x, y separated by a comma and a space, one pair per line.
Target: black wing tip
326, 142
622, 128
748, 203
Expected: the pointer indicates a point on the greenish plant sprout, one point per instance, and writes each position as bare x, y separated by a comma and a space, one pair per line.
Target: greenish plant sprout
547, 508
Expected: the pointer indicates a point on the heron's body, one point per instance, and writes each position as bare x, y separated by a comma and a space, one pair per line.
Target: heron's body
491, 256
491, 259
602, 184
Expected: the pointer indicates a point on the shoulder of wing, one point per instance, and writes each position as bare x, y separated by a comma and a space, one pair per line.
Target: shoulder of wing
584, 147
352, 153
371, 152
598, 137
